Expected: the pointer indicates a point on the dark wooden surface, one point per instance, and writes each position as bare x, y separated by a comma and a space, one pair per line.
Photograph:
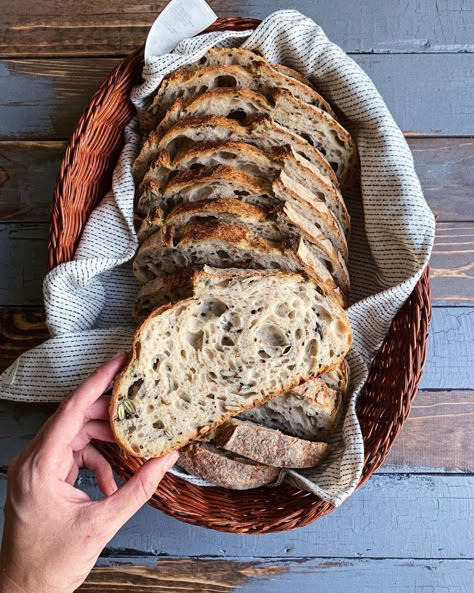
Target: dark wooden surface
410, 528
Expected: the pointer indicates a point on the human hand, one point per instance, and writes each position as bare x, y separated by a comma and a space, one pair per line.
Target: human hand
53, 532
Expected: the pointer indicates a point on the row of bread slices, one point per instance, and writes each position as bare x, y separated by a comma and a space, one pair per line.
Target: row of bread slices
244, 165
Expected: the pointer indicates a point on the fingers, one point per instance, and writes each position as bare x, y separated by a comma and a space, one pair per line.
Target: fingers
73, 473
99, 410
69, 419
94, 429
93, 460
118, 508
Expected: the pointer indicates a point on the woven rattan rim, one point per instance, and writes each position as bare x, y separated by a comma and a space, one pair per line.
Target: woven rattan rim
382, 407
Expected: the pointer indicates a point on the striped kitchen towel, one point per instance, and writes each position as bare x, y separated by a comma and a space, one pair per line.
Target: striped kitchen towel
88, 301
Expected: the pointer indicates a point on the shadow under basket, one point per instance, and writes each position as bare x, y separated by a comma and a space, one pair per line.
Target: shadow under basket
383, 405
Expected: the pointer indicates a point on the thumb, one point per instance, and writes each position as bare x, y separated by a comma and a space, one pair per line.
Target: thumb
117, 509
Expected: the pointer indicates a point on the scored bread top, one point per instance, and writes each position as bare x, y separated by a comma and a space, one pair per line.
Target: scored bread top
242, 339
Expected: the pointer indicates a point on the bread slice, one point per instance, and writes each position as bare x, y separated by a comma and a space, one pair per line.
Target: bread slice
223, 181
262, 132
310, 411
268, 446
260, 77
214, 243
225, 469
246, 58
162, 291
242, 339
274, 227
311, 123
251, 160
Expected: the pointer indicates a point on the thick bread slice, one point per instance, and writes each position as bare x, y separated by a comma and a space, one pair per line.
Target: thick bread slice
252, 160
228, 182
161, 291
273, 226
260, 77
262, 132
246, 58
268, 446
214, 243
242, 339
310, 411
311, 123
225, 469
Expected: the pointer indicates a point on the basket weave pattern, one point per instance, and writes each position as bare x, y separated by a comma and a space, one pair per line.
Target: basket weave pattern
382, 407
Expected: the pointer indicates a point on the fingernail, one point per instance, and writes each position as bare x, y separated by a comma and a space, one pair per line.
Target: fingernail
170, 460
118, 355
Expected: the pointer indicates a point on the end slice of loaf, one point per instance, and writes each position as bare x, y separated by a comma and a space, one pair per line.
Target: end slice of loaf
225, 469
242, 339
269, 446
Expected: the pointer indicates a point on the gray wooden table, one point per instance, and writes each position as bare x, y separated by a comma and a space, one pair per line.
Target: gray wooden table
410, 529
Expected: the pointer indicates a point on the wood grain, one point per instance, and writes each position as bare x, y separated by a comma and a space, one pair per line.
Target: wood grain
44, 98
419, 447
23, 248
79, 28
326, 575
28, 172
437, 434
392, 516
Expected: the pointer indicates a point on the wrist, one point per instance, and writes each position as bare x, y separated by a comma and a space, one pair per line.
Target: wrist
7, 585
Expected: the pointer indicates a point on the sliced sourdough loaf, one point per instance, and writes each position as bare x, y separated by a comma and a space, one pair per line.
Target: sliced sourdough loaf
274, 227
310, 411
262, 132
250, 159
225, 469
269, 446
221, 244
260, 77
224, 181
246, 58
242, 339
311, 123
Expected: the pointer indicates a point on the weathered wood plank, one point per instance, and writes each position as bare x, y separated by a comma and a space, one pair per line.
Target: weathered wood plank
452, 264
417, 449
28, 172
23, 248
450, 363
23, 263
77, 28
328, 575
445, 167
44, 98
437, 434
376, 522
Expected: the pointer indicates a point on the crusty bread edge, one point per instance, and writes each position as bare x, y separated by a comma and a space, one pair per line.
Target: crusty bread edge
133, 356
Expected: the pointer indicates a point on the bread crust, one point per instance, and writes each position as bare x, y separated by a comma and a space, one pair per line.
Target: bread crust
268, 446
235, 473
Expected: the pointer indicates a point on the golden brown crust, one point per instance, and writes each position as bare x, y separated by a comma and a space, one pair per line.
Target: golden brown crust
225, 471
269, 446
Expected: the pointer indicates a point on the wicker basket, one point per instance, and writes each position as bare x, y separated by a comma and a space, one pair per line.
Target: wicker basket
382, 407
